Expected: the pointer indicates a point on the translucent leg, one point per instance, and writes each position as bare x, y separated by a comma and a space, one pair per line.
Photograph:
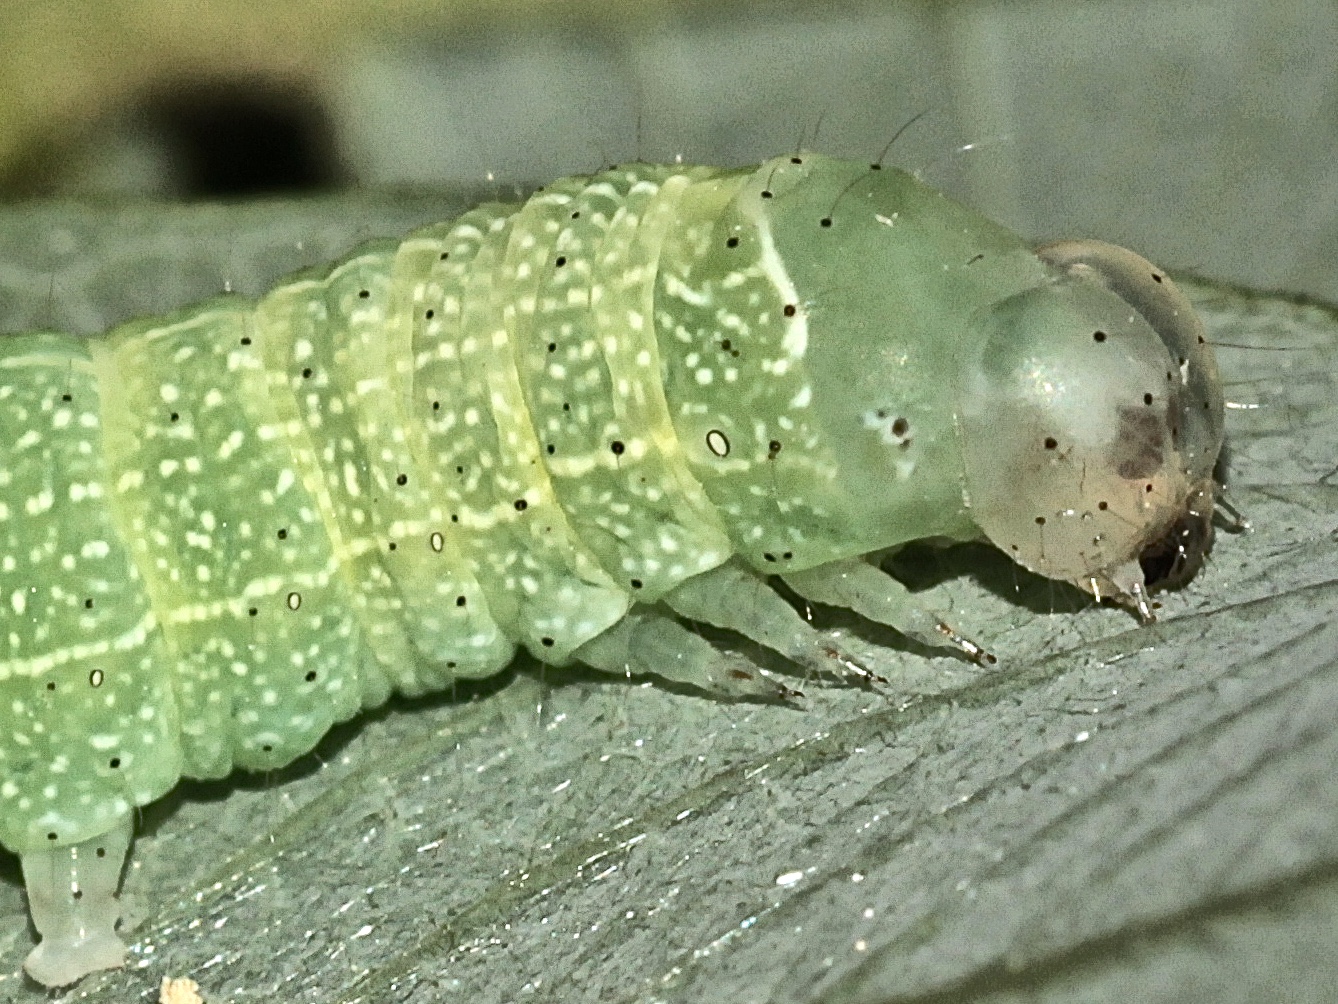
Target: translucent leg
874, 594
72, 899
1234, 519
647, 643
731, 598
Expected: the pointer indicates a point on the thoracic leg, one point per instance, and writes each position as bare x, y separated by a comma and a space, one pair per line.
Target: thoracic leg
647, 643
731, 598
874, 594
72, 898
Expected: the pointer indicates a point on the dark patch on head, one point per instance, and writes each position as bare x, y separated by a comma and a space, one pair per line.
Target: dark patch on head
1139, 448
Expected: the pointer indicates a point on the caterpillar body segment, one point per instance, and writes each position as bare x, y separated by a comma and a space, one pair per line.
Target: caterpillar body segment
554, 426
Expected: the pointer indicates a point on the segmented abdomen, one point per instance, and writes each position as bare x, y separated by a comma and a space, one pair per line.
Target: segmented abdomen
243, 523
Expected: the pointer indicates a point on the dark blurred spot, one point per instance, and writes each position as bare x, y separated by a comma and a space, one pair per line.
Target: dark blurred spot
245, 139
190, 140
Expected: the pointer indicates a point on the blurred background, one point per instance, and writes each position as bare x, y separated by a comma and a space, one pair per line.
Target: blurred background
1196, 131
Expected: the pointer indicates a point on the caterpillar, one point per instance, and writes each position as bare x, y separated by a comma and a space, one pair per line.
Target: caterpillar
563, 425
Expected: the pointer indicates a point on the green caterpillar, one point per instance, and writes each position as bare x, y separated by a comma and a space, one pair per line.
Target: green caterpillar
559, 425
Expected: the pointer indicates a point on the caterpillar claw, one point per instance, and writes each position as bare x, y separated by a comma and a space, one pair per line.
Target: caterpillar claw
967, 647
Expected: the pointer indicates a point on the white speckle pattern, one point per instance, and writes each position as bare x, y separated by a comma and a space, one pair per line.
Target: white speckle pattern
81, 654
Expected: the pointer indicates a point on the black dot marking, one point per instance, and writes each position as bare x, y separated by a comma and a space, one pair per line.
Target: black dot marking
546, 642
282, 534
790, 310
1040, 521
444, 255
267, 748
455, 518
252, 612
306, 372
875, 167
459, 469
1156, 277
430, 314
576, 215
826, 221
566, 406
769, 557
551, 449
1147, 398
95, 678
436, 406
1183, 360
294, 601
636, 583
402, 480
51, 836
246, 339
364, 294
114, 762
766, 193
1098, 336
175, 417
460, 601
1147, 488
1103, 505
732, 242
311, 676
727, 345
521, 505
88, 604
392, 546
66, 397
561, 260
552, 346
718, 443
51, 685
1051, 443
787, 555
796, 160
101, 852
773, 448
900, 427
617, 447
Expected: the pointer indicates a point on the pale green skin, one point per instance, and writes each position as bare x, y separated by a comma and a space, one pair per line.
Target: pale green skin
228, 529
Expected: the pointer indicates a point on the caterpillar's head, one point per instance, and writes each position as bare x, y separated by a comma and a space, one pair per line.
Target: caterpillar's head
1091, 424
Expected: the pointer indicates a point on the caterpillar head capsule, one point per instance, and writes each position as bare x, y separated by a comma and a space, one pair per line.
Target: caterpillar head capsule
1090, 425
